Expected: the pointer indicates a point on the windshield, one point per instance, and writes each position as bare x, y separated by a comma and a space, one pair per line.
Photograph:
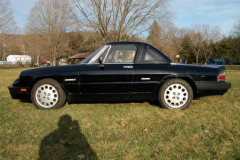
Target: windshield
91, 56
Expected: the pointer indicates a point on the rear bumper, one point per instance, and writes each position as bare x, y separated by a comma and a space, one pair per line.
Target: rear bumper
21, 93
212, 88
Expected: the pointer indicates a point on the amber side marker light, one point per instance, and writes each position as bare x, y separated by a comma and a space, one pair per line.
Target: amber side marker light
23, 90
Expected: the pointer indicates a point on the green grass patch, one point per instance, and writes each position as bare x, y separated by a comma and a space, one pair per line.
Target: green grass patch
208, 129
233, 67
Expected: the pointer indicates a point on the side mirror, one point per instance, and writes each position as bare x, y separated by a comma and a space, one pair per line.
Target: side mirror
100, 62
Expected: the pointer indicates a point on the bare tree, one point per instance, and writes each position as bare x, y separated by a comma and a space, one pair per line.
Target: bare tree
30, 45
49, 20
7, 27
236, 29
203, 36
197, 34
213, 35
115, 19
166, 37
171, 39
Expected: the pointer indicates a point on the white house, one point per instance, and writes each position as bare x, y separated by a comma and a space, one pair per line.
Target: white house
23, 59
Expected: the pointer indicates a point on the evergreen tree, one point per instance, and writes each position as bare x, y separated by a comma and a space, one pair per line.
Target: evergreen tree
187, 51
228, 48
154, 34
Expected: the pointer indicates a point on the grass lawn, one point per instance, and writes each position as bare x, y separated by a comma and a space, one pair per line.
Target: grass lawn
208, 129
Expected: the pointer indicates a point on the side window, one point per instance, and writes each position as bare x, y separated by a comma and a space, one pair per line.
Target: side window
103, 55
152, 55
121, 54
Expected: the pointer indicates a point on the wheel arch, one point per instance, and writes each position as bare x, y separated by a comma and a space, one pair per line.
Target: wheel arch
187, 78
52, 100
35, 80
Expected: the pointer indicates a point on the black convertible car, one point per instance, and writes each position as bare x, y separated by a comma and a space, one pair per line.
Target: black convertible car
120, 71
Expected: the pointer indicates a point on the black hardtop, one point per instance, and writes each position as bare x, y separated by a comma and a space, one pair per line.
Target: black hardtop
128, 42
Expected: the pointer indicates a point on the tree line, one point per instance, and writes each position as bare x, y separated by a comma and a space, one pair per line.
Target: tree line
61, 28
197, 43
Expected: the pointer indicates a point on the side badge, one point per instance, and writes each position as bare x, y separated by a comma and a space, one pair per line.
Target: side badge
70, 80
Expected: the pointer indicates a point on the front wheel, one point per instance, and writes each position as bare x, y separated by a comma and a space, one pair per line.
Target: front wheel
175, 94
48, 94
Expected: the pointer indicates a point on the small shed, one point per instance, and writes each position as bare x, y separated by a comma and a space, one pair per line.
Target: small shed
23, 59
79, 57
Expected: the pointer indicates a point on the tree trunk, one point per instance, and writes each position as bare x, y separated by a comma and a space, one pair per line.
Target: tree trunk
37, 59
197, 59
54, 56
54, 62
206, 59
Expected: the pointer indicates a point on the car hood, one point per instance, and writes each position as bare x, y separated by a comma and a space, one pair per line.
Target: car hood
43, 70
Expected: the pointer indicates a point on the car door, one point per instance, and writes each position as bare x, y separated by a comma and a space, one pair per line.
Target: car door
114, 75
150, 68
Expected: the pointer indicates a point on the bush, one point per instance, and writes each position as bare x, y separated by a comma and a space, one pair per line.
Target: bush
32, 64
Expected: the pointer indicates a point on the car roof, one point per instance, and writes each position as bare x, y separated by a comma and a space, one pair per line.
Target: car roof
140, 43
127, 42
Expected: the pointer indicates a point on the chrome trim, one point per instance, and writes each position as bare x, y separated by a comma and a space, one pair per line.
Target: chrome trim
68, 80
127, 66
120, 63
145, 79
107, 53
115, 63
98, 54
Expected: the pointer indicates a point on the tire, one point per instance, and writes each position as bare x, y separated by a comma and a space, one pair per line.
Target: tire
175, 93
48, 94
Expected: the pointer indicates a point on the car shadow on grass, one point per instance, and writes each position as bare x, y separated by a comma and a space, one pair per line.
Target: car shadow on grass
154, 103
66, 142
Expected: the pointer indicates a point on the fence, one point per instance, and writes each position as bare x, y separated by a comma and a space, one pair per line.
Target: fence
7, 62
219, 61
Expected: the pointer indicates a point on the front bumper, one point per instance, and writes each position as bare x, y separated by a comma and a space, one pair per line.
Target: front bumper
22, 93
212, 88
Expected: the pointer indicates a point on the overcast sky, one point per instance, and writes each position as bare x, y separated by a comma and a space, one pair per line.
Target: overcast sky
222, 13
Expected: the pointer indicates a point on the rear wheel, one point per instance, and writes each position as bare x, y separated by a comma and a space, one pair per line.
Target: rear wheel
48, 94
175, 94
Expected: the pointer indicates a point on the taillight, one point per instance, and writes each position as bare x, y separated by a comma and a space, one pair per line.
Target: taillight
221, 78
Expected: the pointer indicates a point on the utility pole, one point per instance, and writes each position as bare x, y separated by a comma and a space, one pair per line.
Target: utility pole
4, 59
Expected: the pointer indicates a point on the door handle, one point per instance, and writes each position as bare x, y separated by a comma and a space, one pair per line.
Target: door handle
127, 66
